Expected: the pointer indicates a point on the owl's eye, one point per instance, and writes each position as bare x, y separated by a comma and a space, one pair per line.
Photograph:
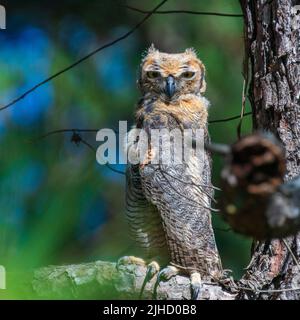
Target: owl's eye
153, 74
188, 74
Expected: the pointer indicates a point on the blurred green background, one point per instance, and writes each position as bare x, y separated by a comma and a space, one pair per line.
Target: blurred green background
57, 205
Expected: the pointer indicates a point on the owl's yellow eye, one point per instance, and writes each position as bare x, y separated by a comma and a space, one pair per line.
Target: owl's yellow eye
153, 74
188, 74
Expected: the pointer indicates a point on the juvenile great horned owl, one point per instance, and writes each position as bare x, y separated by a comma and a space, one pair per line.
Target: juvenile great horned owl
168, 204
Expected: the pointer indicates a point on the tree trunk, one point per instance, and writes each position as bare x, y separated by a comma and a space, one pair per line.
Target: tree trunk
272, 46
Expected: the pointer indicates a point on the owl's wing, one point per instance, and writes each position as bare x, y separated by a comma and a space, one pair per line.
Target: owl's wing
144, 219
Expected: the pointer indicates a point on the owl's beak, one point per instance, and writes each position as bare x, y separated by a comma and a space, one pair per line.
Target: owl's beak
170, 86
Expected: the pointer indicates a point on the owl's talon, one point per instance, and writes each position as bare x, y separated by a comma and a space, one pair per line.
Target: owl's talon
196, 285
152, 270
164, 275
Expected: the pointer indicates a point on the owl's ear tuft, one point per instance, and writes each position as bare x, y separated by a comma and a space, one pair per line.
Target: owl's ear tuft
191, 51
202, 80
148, 51
151, 49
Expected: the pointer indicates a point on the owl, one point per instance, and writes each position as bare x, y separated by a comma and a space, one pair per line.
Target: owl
168, 204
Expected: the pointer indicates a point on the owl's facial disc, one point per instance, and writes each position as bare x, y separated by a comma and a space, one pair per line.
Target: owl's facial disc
171, 76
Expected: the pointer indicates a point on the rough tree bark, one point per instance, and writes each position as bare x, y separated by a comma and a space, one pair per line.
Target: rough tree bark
272, 45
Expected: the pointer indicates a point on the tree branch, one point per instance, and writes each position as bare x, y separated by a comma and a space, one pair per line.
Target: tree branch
104, 280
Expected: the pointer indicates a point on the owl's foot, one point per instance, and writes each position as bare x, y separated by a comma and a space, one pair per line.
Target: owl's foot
196, 285
152, 269
164, 275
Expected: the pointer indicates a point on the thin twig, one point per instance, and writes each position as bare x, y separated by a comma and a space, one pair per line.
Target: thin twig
48, 134
205, 13
73, 65
245, 86
266, 291
195, 184
76, 138
231, 118
88, 144
183, 196
200, 187
92, 148
236, 287
239, 127
223, 229
96, 130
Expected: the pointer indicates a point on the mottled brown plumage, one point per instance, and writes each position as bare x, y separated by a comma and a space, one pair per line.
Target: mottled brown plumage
168, 204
